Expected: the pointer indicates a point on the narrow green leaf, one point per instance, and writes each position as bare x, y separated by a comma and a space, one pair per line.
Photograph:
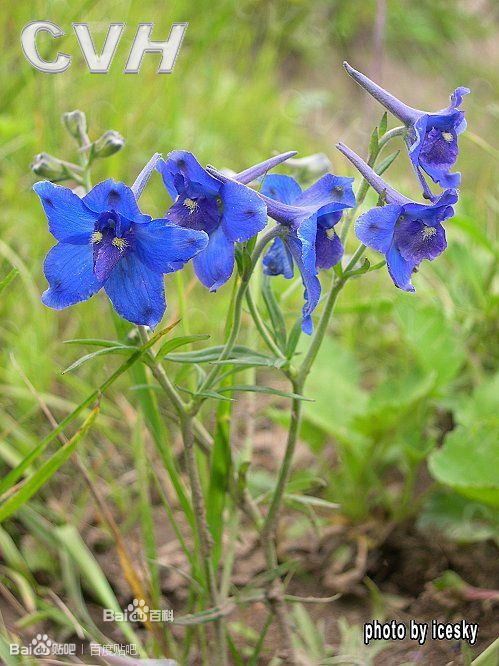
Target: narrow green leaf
374, 142
235, 653
4, 282
92, 575
275, 313
92, 342
311, 501
220, 470
383, 124
175, 343
254, 361
210, 354
116, 349
262, 389
47, 470
261, 639
489, 657
386, 163
15, 473
146, 517
204, 394
293, 339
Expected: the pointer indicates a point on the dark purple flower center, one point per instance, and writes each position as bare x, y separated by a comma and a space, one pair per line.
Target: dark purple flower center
202, 213
416, 240
111, 240
439, 147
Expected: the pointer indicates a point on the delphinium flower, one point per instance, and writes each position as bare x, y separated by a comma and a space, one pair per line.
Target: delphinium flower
431, 137
228, 212
405, 231
311, 245
306, 222
106, 241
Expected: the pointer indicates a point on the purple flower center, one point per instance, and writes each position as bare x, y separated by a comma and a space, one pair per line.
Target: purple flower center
202, 213
416, 240
439, 147
111, 240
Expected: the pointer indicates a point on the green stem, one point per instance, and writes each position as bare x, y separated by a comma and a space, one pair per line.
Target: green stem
203, 531
268, 532
258, 321
269, 524
203, 534
337, 285
238, 307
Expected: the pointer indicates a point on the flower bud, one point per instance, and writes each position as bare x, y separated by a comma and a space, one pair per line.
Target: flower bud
49, 167
76, 123
108, 144
314, 165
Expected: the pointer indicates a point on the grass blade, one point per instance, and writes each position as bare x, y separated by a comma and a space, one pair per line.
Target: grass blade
47, 470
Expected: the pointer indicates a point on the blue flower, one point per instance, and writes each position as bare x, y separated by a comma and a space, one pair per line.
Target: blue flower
405, 231
307, 236
228, 212
105, 241
431, 138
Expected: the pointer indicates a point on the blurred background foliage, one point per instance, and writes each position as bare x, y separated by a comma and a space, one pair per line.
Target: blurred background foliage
404, 421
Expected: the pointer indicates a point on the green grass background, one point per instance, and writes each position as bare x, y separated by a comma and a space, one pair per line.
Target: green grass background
252, 77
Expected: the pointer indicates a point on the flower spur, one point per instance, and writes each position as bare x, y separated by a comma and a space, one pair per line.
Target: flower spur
405, 231
431, 137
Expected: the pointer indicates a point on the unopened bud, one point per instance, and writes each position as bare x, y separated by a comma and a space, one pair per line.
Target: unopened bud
49, 167
76, 124
108, 144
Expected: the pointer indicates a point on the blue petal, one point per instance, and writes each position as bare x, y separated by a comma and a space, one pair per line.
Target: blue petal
328, 220
110, 195
164, 247
307, 234
428, 149
328, 190
281, 188
214, 264
70, 221
69, 272
244, 213
341, 193
278, 260
311, 283
441, 209
417, 135
328, 250
168, 174
400, 270
375, 228
136, 292
184, 163
456, 98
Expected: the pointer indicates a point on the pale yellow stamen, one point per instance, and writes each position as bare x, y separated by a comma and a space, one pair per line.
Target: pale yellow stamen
190, 204
120, 243
428, 232
96, 237
330, 233
447, 136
